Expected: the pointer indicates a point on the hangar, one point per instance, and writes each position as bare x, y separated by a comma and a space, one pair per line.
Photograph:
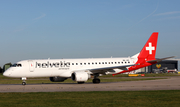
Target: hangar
166, 66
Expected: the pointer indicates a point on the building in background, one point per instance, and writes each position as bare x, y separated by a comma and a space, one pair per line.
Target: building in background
166, 66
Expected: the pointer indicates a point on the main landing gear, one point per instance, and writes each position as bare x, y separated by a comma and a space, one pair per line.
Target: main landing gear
96, 80
24, 80
80, 82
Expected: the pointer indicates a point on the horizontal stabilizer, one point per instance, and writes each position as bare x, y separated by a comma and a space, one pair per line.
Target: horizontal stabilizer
159, 60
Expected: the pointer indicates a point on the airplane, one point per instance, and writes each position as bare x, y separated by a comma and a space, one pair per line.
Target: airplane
80, 70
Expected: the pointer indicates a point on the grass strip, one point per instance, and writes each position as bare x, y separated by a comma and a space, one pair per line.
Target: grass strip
39, 81
120, 75
168, 98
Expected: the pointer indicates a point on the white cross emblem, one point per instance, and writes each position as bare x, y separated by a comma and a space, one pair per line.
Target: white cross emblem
150, 48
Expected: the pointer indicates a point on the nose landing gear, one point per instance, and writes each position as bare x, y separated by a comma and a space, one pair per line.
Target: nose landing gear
24, 80
23, 83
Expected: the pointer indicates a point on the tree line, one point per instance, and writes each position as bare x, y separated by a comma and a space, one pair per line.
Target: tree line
5, 67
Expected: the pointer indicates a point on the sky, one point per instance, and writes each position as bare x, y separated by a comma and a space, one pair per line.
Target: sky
42, 29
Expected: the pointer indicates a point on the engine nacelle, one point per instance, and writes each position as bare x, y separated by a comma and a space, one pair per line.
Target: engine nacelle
57, 79
80, 76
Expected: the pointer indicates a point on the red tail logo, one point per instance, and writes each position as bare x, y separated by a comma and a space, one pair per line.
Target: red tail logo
149, 50
147, 53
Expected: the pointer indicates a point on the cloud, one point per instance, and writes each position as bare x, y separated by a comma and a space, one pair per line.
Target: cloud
176, 17
146, 16
23, 27
169, 18
167, 13
40, 17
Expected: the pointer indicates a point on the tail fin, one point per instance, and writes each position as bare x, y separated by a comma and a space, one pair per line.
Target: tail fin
147, 55
148, 52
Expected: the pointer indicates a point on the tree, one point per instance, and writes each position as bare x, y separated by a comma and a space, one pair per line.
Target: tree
1, 70
6, 66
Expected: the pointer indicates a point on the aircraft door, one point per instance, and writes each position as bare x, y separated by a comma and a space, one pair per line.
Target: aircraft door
31, 66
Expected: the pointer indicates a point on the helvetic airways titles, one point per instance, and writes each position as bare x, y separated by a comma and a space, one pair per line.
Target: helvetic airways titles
53, 64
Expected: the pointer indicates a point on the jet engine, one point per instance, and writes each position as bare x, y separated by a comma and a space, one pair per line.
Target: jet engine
57, 79
80, 76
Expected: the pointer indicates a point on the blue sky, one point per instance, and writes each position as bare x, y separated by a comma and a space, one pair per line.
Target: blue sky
40, 29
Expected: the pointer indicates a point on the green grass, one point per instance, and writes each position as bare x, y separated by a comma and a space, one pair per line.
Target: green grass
40, 81
119, 75
92, 99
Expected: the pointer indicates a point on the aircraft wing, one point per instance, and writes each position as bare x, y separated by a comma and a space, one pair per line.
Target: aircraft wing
159, 60
105, 69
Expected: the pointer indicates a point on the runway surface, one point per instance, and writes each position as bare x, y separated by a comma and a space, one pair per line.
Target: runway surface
172, 83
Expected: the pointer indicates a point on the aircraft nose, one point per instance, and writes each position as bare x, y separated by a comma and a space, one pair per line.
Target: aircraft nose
6, 73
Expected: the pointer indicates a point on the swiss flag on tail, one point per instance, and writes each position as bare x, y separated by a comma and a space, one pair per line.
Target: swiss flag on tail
148, 52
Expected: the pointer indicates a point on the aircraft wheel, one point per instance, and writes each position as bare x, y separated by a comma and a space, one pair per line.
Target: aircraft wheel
96, 81
23, 83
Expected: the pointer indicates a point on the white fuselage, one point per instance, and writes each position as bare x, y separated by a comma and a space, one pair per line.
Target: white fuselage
65, 67
80, 70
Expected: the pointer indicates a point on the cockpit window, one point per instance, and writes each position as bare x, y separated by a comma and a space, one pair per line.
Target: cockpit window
16, 65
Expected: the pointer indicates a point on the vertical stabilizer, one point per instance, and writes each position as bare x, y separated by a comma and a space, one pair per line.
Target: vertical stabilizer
148, 52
